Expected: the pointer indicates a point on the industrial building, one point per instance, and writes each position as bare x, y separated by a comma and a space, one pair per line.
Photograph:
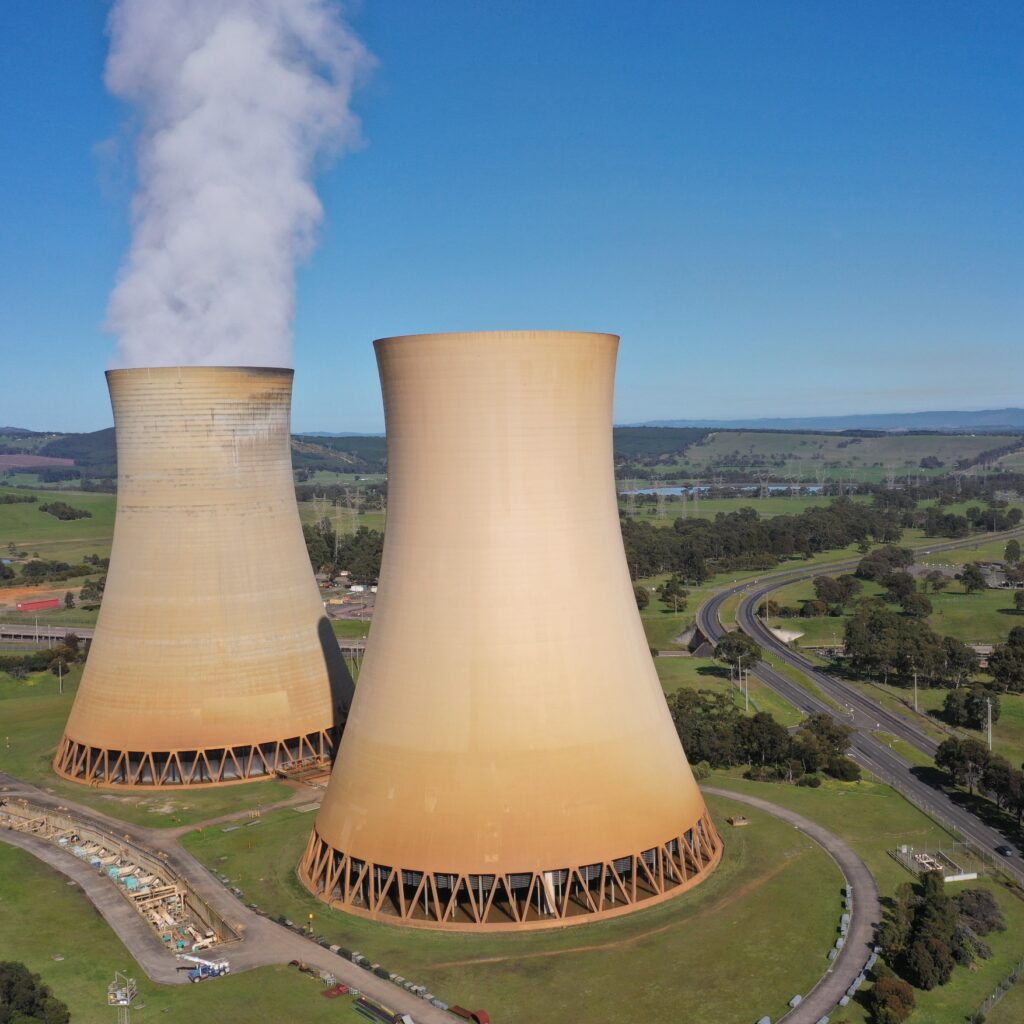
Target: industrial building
212, 660
509, 760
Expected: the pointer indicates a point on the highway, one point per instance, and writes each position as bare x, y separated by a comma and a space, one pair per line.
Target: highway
863, 714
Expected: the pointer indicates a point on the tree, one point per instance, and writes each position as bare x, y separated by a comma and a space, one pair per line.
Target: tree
25, 998
972, 579
928, 963
1011, 553
673, 593
1018, 600
69, 600
916, 605
961, 661
736, 648
938, 580
891, 1000
951, 758
898, 585
643, 598
765, 741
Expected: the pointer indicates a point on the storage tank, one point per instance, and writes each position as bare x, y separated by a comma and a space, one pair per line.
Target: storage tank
509, 761
212, 661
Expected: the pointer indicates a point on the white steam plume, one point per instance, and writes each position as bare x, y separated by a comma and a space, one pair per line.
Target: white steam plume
235, 100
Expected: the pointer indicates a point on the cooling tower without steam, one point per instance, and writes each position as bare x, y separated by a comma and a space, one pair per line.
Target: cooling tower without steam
212, 660
509, 761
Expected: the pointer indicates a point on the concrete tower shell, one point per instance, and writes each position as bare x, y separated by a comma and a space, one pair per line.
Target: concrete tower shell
509, 761
212, 660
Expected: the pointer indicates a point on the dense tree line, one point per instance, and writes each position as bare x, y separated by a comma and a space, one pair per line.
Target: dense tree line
970, 763
883, 644
18, 499
24, 997
1006, 662
358, 553
714, 733
927, 932
694, 548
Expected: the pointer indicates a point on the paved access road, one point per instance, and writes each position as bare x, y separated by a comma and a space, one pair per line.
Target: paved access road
263, 941
866, 716
865, 915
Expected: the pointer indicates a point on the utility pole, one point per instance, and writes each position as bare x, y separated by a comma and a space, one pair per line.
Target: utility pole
988, 703
746, 691
915, 688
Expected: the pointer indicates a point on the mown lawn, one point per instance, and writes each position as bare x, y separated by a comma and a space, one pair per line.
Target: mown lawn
42, 916
32, 718
874, 819
673, 962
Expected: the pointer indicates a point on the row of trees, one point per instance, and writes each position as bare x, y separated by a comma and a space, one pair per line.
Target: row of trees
694, 548
970, 763
715, 733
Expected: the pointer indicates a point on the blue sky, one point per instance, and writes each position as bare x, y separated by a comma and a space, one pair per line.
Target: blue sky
784, 208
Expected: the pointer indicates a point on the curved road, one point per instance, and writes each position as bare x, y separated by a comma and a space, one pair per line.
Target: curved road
263, 941
865, 914
862, 713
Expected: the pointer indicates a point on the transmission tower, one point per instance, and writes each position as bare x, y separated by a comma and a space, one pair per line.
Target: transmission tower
763, 479
890, 478
661, 504
631, 499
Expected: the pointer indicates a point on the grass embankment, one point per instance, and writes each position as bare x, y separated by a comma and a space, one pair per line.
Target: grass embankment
874, 819
32, 718
42, 916
632, 968
708, 674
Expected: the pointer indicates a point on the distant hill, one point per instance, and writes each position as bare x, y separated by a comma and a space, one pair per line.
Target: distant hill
982, 421
18, 432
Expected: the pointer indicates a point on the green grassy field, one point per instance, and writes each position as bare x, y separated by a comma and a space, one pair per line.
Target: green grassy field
630, 969
787, 455
873, 819
32, 718
708, 674
41, 917
1010, 1009
343, 520
984, 617
35, 531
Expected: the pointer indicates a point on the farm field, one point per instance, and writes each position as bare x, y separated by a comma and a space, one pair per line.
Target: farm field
835, 456
343, 520
34, 531
605, 972
707, 508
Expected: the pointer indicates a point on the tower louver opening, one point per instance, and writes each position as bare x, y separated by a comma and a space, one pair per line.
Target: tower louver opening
509, 761
212, 660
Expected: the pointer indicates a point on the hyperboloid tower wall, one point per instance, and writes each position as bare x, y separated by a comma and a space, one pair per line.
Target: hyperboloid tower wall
509, 761
212, 660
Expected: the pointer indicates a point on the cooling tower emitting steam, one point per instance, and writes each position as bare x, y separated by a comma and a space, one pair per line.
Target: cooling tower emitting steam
235, 100
509, 761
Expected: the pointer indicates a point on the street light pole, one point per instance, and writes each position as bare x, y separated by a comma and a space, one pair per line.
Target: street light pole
988, 703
